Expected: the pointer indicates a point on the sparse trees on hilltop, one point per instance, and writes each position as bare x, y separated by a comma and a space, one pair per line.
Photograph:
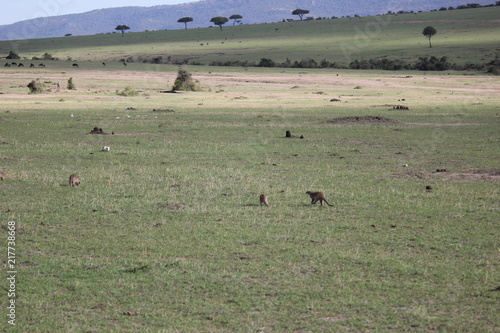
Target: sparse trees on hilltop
219, 20
236, 18
185, 20
122, 28
300, 13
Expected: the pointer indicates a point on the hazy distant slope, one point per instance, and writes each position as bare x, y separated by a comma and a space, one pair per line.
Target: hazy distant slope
166, 16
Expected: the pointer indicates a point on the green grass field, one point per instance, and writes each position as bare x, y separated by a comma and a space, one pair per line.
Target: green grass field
165, 231
462, 35
166, 234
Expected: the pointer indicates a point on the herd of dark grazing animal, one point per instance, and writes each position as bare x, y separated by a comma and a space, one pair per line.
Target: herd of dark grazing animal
15, 64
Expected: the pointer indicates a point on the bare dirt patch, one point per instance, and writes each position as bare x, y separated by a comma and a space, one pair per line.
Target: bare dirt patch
363, 120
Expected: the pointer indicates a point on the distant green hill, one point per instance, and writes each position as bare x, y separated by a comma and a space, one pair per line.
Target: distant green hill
469, 35
166, 16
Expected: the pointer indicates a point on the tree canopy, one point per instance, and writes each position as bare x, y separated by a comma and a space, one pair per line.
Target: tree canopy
300, 12
122, 28
429, 32
185, 20
219, 20
13, 55
235, 17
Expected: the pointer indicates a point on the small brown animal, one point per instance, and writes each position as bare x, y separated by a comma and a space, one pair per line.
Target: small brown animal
263, 200
318, 196
74, 180
1, 175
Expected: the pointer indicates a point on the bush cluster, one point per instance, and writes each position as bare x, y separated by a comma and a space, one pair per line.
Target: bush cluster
127, 92
185, 82
37, 87
45, 56
303, 63
493, 66
156, 60
427, 63
379, 63
13, 55
266, 62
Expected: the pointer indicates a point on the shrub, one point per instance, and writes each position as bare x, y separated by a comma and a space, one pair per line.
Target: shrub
433, 64
379, 63
494, 65
36, 87
13, 55
45, 56
185, 82
71, 85
266, 62
127, 92
305, 63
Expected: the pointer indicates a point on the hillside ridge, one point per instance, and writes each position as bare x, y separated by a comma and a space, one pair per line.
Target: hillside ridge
164, 17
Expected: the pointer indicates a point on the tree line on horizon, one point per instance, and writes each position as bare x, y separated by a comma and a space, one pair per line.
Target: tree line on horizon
221, 20
217, 20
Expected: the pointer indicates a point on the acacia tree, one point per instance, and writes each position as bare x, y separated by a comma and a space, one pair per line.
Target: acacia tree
235, 17
122, 28
219, 20
429, 32
300, 12
185, 20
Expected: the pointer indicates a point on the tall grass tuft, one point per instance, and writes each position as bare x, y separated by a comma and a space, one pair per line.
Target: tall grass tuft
127, 92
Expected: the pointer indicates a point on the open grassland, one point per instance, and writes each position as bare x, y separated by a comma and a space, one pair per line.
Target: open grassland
462, 35
165, 232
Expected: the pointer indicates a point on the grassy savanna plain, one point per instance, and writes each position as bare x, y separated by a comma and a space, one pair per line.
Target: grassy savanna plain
165, 233
462, 35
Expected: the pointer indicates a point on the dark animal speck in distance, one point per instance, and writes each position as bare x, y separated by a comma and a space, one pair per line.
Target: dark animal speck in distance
288, 134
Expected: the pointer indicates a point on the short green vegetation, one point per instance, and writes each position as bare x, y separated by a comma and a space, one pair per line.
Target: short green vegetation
165, 233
